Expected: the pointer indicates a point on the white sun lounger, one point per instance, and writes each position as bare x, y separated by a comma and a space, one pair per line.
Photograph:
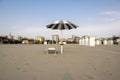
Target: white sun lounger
51, 49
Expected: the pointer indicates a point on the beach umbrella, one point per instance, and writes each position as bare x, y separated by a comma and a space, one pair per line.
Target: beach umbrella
61, 25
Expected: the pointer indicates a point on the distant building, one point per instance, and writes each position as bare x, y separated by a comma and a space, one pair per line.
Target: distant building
19, 38
39, 39
73, 37
55, 38
10, 39
4, 39
10, 36
77, 38
70, 40
118, 40
27, 41
62, 39
85, 36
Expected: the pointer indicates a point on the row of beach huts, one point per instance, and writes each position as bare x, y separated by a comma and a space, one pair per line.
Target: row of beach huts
92, 41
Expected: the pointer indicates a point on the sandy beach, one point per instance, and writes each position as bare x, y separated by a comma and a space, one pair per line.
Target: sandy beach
30, 62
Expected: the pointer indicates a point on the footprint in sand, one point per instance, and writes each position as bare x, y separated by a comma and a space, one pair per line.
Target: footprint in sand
18, 68
67, 76
109, 73
34, 78
24, 70
27, 64
90, 77
95, 69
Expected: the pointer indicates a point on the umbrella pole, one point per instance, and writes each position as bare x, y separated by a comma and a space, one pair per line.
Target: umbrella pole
61, 44
61, 31
61, 49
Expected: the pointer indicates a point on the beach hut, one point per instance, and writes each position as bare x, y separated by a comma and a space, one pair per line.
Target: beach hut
80, 41
83, 41
105, 42
92, 41
98, 42
110, 42
45, 42
86, 41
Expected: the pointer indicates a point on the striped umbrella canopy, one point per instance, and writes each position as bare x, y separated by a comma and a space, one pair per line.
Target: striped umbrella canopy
62, 25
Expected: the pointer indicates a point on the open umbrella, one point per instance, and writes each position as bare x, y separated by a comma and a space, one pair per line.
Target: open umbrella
62, 25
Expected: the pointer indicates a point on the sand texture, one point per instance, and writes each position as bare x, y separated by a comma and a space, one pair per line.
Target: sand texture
31, 62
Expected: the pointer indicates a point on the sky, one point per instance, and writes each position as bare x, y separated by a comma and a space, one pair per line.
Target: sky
28, 18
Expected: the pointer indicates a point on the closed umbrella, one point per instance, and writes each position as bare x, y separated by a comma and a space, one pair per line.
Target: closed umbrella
61, 25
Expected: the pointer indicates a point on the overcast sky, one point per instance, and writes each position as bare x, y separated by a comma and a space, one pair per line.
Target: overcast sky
100, 18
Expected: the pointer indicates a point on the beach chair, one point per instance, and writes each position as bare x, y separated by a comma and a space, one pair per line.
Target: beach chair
51, 50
